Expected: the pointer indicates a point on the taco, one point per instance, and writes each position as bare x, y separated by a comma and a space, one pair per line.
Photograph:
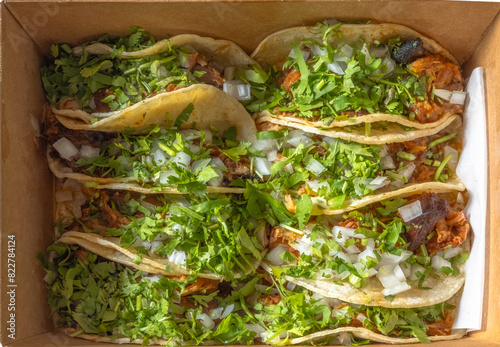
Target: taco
328, 175
355, 80
187, 154
404, 252
335, 173
110, 302
212, 237
114, 82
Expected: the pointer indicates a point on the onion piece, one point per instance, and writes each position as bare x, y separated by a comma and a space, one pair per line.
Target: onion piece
453, 162
227, 311
378, 182
437, 262
315, 167
410, 211
458, 98
256, 328
274, 255
237, 89
451, 252
402, 287
206, 321
443, 94
305, 54
335, 68
178, 257
65, 148
89, 152
263, 166
387, 163
416, 268
182, 159
216, 313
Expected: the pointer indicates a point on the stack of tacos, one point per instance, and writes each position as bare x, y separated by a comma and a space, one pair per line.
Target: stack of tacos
304, 194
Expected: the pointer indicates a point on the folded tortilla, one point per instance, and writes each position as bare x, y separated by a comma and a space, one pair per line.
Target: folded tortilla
153, 109
89, 226
382, 252
275, 49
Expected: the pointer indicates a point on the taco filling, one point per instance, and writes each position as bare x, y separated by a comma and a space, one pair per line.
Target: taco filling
182, 235
95, 299
326, 80
114, 73
397, 243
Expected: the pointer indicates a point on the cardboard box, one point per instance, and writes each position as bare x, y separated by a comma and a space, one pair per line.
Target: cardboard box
470, 30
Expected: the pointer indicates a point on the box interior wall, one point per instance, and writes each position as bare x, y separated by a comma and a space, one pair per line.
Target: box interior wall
471, 31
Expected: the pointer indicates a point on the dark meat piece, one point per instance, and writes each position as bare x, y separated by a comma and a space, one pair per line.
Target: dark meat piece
433, 210
99, 105
211, 76
408, 51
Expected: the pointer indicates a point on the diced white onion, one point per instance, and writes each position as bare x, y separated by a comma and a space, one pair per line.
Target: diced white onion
305, 54
271, 156
451, 252
335, 68
182, 159
216, 313
291, 286
341, 234
206, 321
387, 163
164, 175
408, 170
299, 139
315, 185
257, 328
453, 162
190, 134
315, 167
178, 257
265, 145
65, 148
378, 182
398, 272
160, 157
366, 53
443, 94
227, 311
274, 255
288, 168
262, 165
388, 258
415, 268
318, 51
352, 249
344, 338
200, 164
64, 195
237, 89
217, 163
406, 268
402, 287
458, 98
89, 152
437, 262
410, 211
361, 317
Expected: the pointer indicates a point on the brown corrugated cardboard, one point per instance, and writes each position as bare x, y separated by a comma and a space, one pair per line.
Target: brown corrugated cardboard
471, 31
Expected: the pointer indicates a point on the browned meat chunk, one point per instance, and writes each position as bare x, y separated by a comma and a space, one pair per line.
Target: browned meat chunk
99, 105
441, 327
433, 210
408, 51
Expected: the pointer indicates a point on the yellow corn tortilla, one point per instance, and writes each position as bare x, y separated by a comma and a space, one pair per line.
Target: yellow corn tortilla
275, 48
61, 170
320, 206
212, 108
